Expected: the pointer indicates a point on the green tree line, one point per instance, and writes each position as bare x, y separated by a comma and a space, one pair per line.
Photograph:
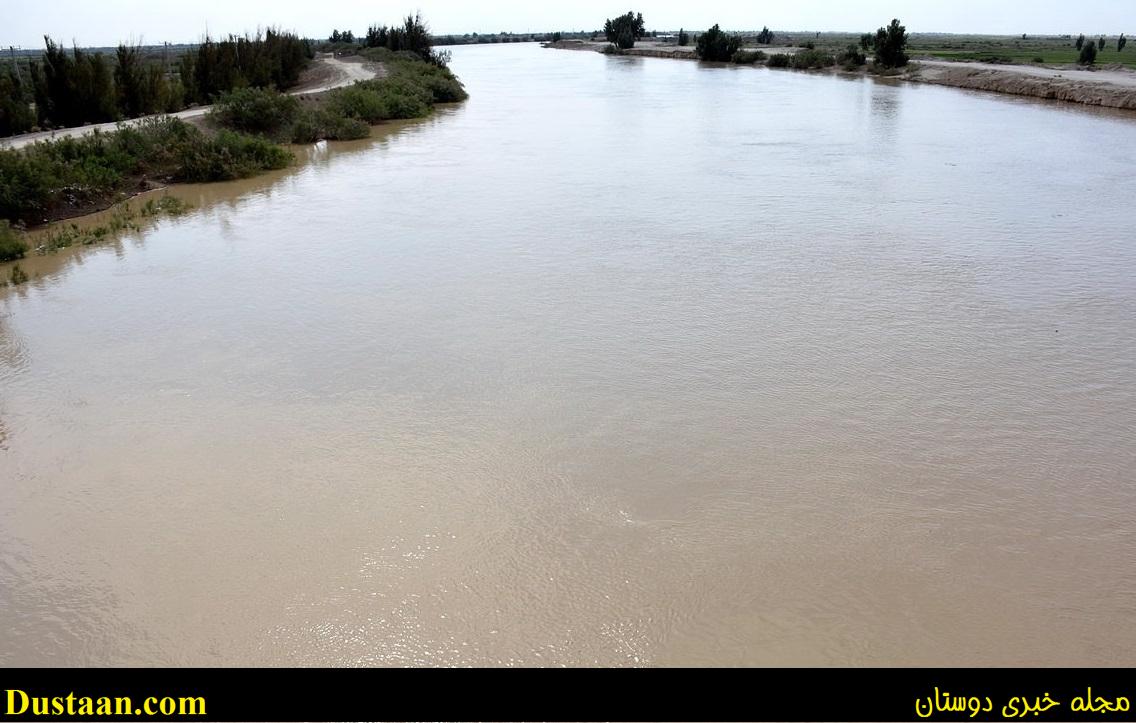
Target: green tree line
70, 88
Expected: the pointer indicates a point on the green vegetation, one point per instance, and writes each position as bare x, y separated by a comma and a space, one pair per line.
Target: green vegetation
765, 37
624, 30
1052, 50
890, 45
852, 57
747, 57
58, 178
811, 59
66, 89
1120, 43
717, 45
780, 60
683, 38
1088, 54
12, 247
61, 178
257, 110
412, 36
274, 60
122, 219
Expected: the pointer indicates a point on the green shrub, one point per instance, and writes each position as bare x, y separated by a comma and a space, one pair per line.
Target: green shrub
442, 84
256, 110
852, 57
748, 57
360, 102
11, 245
808, 59
780, 60
228, 156
320, 125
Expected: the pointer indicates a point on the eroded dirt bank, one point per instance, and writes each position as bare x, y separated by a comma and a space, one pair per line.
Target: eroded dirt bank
1107, 88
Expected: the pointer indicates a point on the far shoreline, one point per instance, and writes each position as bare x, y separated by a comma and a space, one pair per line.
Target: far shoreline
1108, 88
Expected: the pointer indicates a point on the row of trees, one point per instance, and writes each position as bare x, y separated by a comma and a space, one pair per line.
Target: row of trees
70, 88
1102, 42
217, 66
412, 36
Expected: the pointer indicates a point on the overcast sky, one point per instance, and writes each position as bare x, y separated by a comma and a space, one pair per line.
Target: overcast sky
106, 22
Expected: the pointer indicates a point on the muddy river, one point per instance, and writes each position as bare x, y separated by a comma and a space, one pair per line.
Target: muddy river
624, 361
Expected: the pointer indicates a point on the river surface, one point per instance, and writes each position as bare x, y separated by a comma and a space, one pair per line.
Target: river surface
623, 361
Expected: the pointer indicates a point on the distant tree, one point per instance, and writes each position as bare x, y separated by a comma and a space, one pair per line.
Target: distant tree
624, 30
1121, 42
683, 38
556, 37
1080, 41
867, 41
377, 36
334, 37
1088, 54
765, 37
890, 45
1103, 42
716, 45
130, 80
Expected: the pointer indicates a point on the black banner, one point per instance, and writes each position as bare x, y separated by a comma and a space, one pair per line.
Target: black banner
564, 695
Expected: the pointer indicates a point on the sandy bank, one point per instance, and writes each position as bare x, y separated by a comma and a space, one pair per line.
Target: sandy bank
1109, 88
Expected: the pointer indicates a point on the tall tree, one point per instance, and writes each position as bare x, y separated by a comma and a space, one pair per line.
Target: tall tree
625, 29
891, 44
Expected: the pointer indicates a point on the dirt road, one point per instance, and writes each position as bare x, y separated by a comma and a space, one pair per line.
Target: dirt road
332, 73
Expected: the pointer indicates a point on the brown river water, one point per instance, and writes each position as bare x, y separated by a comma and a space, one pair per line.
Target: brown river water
623, 361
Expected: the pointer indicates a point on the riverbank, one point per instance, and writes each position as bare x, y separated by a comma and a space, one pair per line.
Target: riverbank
327, 72
246, 133
1111, 87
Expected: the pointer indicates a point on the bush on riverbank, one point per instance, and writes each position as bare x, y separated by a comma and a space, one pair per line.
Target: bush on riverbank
811, 59
780, 60
51, 179
321, 124
748, 57
257, 110
12, 247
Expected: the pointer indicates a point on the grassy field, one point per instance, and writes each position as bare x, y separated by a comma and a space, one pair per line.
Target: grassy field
1048, 49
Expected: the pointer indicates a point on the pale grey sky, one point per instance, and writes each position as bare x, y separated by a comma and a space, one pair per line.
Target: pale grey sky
106, 22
